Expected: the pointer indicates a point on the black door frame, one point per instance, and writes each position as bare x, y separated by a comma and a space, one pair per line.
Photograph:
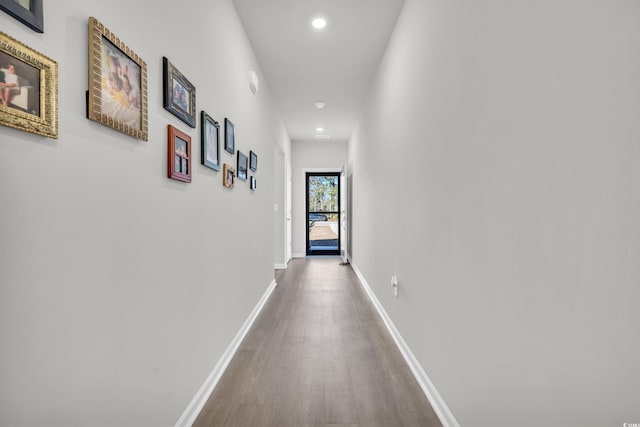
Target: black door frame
306, 203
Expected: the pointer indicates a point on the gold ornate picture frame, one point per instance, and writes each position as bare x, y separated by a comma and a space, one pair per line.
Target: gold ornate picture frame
28, 89
117, 95
228, 176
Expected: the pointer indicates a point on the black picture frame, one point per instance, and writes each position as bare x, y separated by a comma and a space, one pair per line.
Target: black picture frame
243, 163
253, 161
178, 94
32, 18
229, 136
210, 142
252, 183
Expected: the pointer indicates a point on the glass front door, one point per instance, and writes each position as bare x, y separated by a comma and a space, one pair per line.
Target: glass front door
323, 213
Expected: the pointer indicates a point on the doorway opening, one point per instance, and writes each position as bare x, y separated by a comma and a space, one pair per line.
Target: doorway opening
323, 213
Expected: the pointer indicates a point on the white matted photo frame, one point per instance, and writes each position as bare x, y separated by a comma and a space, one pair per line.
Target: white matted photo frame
28, 89
117, 95
210, 141
243, 163
229, 136
253, 161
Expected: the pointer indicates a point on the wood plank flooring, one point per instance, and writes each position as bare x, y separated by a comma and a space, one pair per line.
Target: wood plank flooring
317, 355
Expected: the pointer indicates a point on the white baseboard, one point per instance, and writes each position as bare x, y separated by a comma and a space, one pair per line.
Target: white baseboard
191, 413
280, 266
437, 403
298, 255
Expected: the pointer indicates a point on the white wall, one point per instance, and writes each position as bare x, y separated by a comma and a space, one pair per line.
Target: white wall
119, 288
307, 156
495, 171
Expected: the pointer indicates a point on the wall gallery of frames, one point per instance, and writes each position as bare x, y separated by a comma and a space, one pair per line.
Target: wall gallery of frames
117, 98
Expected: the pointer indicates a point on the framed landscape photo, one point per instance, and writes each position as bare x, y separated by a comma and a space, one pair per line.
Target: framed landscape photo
229, 137
117, 95
28, 89
228, 180
29, 12
243, 162
179, 155
253, 161
210, 142
178, 95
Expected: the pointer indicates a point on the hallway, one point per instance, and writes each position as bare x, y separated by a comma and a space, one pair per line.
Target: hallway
317, 355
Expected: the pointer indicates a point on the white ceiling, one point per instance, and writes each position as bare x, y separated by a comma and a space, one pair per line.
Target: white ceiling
302, 66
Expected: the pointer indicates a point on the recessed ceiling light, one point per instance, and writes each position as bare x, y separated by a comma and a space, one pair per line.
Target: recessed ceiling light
320, 105
319, 129
319, 23
323, 136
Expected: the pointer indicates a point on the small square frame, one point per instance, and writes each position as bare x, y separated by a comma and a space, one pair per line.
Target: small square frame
229, 136
243, 163
228, 179
107, 101
41, 115
253, 161
32, 18
178, 95
210, 142
179, 155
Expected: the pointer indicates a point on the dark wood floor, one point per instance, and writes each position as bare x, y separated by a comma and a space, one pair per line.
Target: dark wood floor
317, 355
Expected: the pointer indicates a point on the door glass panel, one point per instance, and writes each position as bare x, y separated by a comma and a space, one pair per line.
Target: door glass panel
323, 214
323, 231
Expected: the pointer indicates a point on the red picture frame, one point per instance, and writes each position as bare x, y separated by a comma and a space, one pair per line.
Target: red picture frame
179, 155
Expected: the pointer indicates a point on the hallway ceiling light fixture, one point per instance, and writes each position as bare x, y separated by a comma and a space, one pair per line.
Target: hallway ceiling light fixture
320, 105
319, 23
323, 136
319, 129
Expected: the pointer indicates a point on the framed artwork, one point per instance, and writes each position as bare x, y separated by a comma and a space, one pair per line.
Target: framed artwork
252, 183
228, 180
28, 89
253, 161
29, 12
229, 136
243, 162
179, 155
210, 142
117, 95
178, 95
